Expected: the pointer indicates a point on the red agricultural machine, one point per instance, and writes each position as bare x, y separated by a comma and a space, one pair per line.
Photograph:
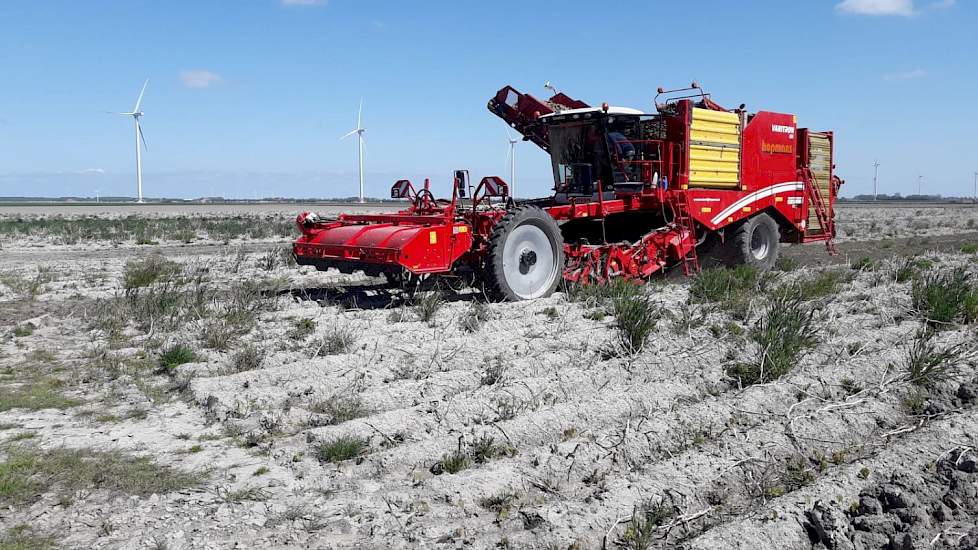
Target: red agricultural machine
634, 194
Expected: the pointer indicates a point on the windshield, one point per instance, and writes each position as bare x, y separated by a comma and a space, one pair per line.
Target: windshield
579, 147
611, 150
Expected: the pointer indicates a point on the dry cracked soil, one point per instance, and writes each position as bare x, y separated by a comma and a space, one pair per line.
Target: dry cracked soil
205, 392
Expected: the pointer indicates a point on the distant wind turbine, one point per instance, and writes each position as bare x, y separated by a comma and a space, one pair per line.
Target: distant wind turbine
359, 130
135, 114
511, 160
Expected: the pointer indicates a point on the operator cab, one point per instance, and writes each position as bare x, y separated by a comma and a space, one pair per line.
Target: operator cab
617, 146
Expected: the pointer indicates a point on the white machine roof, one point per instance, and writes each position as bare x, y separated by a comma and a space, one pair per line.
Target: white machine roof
611, 111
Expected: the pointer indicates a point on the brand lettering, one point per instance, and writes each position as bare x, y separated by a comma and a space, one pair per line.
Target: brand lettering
782, 129
784, 148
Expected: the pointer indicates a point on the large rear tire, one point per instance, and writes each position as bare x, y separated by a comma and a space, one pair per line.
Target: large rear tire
754, 243
525, 259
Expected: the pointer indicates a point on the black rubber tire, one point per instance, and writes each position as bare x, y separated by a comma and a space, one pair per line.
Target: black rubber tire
493, 276
741, 247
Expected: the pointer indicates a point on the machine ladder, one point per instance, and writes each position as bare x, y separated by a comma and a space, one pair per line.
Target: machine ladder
679, 202
817, 202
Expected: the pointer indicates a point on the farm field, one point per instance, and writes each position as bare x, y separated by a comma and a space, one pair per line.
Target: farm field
173, 380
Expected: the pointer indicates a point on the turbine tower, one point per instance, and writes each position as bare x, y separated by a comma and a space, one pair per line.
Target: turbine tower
511, 160
876, 173
359, 130
135, 114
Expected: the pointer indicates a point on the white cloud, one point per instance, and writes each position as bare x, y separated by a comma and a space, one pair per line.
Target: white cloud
91, 171
304, 2
941, 5
906, 75
876, 7
199, 79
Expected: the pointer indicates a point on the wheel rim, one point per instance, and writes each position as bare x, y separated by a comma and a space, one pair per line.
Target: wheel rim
760, 244
529, 262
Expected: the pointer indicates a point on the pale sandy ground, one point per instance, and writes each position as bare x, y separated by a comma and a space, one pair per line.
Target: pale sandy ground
582, 437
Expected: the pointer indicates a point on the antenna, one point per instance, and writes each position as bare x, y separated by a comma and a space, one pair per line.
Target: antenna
359, 130
511, 160
876, 173
551, 87
136, 114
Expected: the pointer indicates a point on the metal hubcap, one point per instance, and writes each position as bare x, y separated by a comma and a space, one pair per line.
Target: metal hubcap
760, 244
529, 262
528, 259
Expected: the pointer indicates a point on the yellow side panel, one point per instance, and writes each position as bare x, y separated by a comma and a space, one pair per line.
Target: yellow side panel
715, 127
712, 166
714, 151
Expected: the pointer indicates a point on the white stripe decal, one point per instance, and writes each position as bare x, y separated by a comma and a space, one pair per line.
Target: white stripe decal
758, 195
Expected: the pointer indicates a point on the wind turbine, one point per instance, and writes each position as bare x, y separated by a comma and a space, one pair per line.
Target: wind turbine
876, 173
511, 160
359, 130
135, 114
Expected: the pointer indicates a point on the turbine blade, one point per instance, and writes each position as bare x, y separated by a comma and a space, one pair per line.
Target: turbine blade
359, 112
348, 134
139, 99
139, 128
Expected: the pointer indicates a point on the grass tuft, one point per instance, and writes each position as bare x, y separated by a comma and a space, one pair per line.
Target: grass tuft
337, 340
250, 357
640, 533
477, 314
636, 317
428, 304
782, 334
453, 462
302, 328
731, 289
340, 448
928, 364
144, 272
173, 357
822, 284
944, 298
341, 409
480, 451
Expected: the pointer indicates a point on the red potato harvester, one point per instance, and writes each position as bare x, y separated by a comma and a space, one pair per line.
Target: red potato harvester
634, 194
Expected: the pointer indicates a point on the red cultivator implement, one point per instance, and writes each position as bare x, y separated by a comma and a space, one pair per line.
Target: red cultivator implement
634, 194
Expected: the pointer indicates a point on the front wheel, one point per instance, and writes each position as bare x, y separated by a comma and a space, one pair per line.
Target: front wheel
754, 243
525, 259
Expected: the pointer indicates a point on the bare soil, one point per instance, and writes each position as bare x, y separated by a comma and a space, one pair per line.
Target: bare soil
340, 413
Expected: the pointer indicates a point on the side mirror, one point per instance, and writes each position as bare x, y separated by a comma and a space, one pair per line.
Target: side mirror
494, 186
402, 189
461, 182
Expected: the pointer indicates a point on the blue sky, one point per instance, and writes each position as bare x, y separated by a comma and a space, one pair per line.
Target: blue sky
250, 97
